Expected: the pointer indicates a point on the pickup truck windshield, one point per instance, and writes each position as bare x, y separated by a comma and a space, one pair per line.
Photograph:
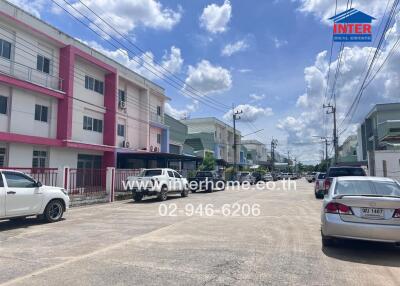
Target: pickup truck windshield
151, 173
345, 172
203, 174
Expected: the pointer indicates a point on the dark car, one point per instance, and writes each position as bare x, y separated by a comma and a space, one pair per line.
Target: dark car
258, 176
207, 180
341, 171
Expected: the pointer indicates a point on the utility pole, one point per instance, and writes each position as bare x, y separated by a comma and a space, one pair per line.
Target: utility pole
274, 143
288, 160
332, 110
235, 116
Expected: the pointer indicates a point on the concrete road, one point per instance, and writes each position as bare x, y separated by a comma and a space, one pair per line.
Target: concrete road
127, 243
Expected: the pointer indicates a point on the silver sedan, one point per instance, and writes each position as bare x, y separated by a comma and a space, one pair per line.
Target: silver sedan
364, 208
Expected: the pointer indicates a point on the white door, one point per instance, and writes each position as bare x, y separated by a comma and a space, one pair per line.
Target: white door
23, 196
2, 197
171, 181
178, 180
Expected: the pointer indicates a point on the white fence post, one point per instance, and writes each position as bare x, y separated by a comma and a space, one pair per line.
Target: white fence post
110, 183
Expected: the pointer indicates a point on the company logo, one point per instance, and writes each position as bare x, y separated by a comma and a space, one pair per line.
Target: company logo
352, 26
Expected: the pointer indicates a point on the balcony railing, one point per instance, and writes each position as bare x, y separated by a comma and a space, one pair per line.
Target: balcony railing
154, 117
23, 72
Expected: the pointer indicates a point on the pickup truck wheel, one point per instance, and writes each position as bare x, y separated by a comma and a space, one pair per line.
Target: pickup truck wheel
185, 193
163, 194
54, 211
137, 197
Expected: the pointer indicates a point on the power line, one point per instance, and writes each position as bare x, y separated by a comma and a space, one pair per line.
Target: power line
152, 70
144, 53
353, 107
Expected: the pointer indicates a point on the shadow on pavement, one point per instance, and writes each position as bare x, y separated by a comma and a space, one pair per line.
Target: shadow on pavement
21, 223
373, 253
148, 200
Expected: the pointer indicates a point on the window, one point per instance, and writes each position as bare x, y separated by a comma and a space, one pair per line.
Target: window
43, 64
17, 180
41, 113
89, 82
159, 138
121, 95
92, 124
177, 175
121, 130
98, 125
94, 84
2, 157
5, 49
159, 110
87, 123
39, 159
3, 104
170, 174
394, 130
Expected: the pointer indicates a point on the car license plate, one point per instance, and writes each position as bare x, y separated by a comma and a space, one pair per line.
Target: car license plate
371, 213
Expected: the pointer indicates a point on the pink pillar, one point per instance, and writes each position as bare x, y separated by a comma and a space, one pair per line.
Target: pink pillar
64, 115
110, 118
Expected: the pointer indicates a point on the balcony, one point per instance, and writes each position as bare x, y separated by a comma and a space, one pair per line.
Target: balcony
154, 117
25, 73
389, 130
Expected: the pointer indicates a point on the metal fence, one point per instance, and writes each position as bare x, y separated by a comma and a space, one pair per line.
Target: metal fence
47, 176
87, 182
121, 175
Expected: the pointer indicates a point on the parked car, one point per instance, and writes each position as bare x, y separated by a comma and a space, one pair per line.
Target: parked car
157, 182
365, 208
258, 176
319, 185
207, 180
246, 177
341, 171
310, 177
268, 177
277, 176
21, 196
285, 176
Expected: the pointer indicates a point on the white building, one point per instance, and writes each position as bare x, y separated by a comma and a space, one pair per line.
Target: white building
222, 134
64, 104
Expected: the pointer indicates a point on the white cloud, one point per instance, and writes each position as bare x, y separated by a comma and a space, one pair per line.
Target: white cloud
33, 7
233, 48
280, 43
245, 70
324, 9
181, 113
256, 97
250, 113
215, 18
207, 78
126, 15
383, 89
144, 64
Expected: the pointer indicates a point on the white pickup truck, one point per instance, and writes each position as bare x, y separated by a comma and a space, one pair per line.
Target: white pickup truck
21, 196
157, 182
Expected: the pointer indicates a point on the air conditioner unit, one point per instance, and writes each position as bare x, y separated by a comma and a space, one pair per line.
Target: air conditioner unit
125, 144
122, 104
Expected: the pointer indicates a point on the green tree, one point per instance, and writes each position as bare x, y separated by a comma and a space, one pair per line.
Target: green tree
208, 162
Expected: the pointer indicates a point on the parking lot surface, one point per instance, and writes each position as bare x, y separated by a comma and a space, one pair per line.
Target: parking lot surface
126, 243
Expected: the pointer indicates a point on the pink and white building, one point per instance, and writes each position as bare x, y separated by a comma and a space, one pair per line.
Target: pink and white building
64, 104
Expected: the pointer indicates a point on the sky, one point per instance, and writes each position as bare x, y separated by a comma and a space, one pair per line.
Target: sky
269, 59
